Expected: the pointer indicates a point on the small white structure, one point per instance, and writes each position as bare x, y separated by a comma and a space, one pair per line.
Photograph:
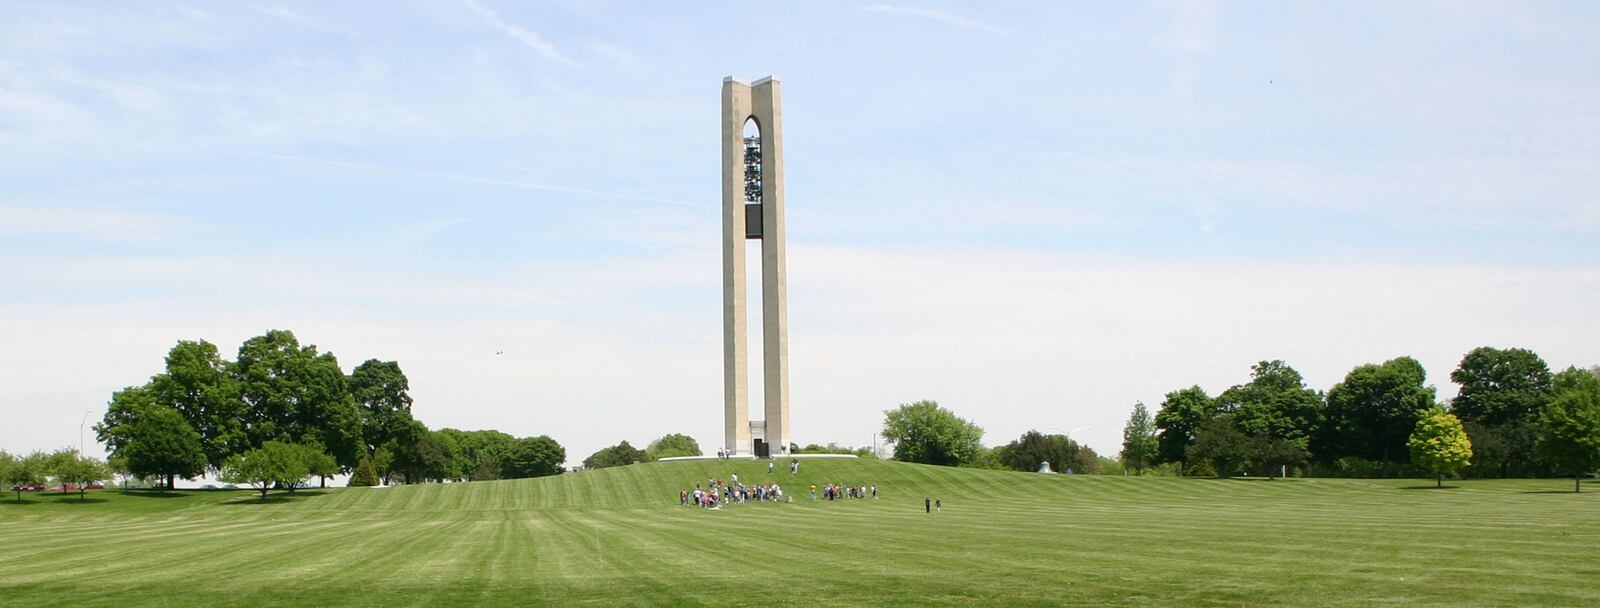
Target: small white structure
1044, 467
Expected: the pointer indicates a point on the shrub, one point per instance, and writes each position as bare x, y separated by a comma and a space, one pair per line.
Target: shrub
365, 474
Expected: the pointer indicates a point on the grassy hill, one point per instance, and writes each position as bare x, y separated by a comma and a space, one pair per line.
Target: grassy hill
617, 537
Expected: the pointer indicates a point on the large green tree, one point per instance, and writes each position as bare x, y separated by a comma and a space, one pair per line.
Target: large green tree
533, 457
159, 442
124, 408
420, 455
1372, 413
926, 433
1220, 443
1276, 407
1439, 444
1502, 393
383, 394
615, 456
1140, 446
478, 453
198, 384
1500, 386
672, 445
1182, 412
297, 395
1570, 425
1032, 448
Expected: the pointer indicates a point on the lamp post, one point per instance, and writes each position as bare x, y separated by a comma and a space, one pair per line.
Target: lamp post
81, 426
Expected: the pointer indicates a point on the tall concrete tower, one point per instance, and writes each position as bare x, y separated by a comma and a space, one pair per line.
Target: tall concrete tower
752, 208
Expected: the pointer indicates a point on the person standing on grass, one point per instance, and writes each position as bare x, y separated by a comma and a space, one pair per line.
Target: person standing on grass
938, 506
769, 468
813, 492
927, 504
874, 491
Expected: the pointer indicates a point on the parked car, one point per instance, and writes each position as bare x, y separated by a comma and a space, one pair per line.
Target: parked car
28, 487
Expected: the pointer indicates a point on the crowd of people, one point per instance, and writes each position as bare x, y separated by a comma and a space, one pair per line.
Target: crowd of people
835, 491
716, 494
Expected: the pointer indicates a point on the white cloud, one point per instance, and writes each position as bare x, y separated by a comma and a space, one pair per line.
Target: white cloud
937, 15
528, 38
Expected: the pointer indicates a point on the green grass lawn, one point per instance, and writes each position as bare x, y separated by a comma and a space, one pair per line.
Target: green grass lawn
617, 537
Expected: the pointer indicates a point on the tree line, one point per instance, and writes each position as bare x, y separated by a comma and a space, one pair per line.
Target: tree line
280, 412
924, 432
1511, 418
66, 467
668, 446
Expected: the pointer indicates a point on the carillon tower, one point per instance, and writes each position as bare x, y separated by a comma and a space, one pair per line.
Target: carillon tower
752, 208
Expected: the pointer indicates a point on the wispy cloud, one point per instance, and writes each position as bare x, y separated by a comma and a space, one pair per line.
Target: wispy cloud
489, 181
532, 40
614, 53
96, 225
938, 15
286, 14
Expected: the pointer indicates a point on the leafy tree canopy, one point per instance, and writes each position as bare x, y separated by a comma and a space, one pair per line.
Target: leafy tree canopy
1275, 404
160, 443
383, 394
296, 394
478, 453
1221, 444
420, 454
1140, 446
1033, 448
1570, 425
17, 471
1182, 412
1372, 413
275, 463
200, 386
926, 433
1501, 386
533, 457
672, 445
1440, 444
617, 455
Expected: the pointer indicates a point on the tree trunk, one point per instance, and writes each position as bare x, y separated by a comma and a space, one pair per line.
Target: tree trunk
172, 482
324, 481
1438, 480
1577, 482
264, 488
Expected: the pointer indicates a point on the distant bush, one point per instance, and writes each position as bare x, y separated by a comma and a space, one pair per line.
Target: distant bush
1353, 467
834, 448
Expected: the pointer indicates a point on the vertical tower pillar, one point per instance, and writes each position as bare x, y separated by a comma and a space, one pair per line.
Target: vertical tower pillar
752, 208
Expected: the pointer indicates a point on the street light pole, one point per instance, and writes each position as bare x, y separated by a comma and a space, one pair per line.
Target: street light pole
81, 426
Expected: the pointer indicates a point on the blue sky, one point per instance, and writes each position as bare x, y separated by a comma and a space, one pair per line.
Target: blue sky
1036, 213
